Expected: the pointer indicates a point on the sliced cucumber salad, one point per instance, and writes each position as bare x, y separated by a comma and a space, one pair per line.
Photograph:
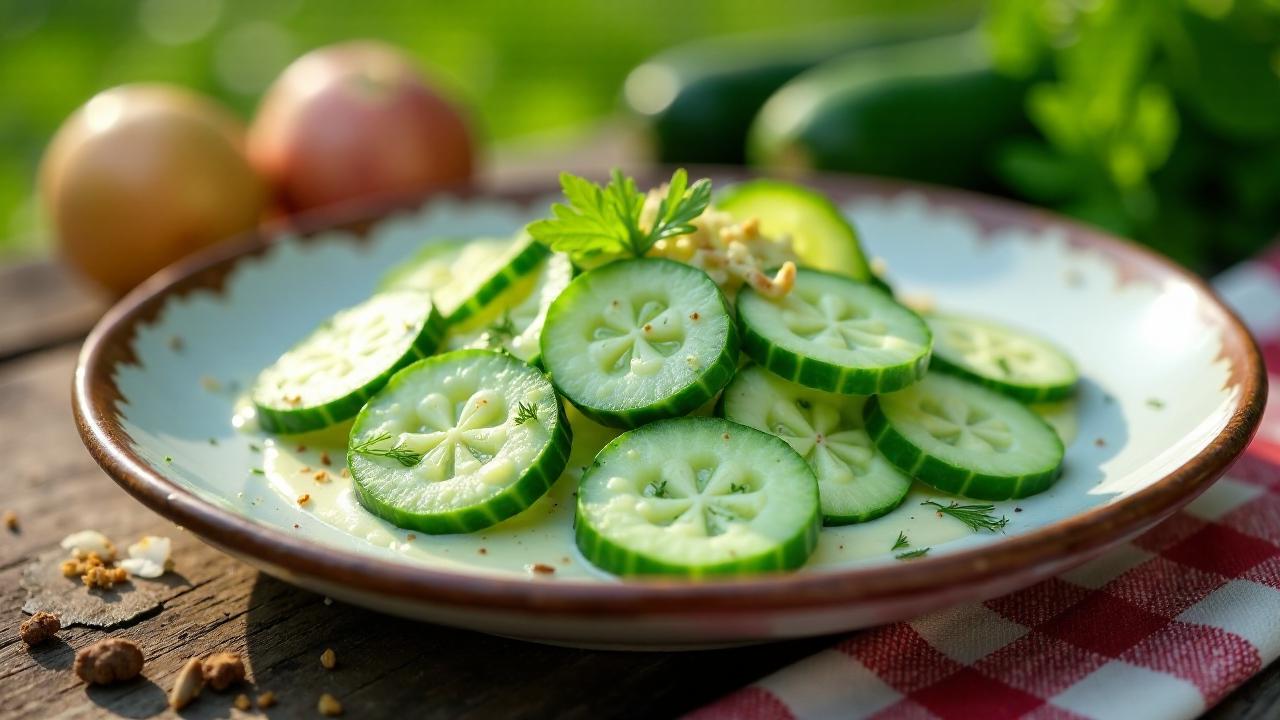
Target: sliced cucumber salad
855, 482
458, 442
638, 340
835, 334
693, 497
1019, 365
965, 439
830, 420
327, 377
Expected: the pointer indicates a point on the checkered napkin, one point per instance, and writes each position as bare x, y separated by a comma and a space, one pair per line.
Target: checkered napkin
1161, 627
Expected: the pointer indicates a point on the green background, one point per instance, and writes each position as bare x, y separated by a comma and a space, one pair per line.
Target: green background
523, 67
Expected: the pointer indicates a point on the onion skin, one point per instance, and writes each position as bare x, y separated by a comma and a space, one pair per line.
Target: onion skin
142, 175
357, 120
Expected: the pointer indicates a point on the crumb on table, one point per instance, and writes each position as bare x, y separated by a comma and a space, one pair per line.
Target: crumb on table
188, 685
329, 706
222, 670
108, 661
10, 520
39, 628
266, 700
328, 659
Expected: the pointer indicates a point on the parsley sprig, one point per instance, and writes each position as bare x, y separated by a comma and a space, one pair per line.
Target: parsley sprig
977, 517
399, 453
599, 223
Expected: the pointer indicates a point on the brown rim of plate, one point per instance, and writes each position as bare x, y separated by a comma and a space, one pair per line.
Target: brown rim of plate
95, 395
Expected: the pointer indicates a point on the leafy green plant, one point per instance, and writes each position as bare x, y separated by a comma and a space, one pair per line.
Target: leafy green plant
1137, 104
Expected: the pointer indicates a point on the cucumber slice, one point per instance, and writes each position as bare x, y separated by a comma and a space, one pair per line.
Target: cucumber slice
475, 286
463, 279
855, 483
433, 265
1020, 365
965, 439
513, 321
835, 334
693, 497
822, 236
483, 457
329, 375
639, 340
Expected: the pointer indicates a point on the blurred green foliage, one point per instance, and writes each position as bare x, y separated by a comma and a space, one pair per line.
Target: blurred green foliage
1160, 119
524, 67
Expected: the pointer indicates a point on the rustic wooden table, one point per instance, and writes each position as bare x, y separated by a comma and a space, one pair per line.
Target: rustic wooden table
387, 666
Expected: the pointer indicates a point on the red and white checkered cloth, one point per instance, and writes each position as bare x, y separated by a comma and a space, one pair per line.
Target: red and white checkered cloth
1162, 627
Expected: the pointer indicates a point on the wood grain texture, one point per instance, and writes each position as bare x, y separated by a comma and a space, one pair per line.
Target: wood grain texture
42, 304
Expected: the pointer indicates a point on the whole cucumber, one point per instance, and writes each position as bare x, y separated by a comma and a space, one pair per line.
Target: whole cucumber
697, 100
932, 110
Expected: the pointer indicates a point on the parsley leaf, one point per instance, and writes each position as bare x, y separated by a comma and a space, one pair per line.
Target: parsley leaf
601, 223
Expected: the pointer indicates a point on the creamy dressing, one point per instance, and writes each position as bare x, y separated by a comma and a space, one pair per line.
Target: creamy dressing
543, 534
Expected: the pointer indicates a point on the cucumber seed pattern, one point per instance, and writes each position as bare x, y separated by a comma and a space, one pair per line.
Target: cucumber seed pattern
953, 421
835, 322
820, 435
457, 438
990, 352
701, 501
635, 340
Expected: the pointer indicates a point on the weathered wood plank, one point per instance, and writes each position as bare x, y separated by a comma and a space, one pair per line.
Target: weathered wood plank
43, 304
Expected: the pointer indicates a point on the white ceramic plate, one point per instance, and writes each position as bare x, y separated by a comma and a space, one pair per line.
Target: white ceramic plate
1172, 391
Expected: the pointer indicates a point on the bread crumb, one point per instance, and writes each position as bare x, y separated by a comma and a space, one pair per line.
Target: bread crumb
304, 498
321, 476
188, 685
243, 703
346, 473
39, 628
328, 659
266, 700
10, 520
329, 706
542, 568
324, 458
222, 670
108, 661
99, 577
